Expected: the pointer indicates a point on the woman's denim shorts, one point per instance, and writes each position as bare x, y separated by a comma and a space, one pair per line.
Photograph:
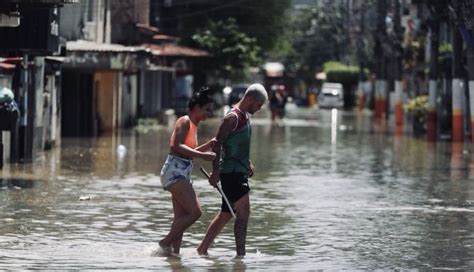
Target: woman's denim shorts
174, 169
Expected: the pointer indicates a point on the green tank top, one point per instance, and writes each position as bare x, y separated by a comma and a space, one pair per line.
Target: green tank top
236, 148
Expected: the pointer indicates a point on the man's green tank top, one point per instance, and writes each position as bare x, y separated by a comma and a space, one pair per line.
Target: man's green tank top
236, 148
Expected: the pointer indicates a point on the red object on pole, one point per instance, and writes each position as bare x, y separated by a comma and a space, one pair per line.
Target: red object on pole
458, 120
431, 119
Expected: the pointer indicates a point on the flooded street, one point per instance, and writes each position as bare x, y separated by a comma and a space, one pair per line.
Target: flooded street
328, 194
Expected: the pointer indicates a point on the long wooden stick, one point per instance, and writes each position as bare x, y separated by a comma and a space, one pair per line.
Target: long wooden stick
220, 192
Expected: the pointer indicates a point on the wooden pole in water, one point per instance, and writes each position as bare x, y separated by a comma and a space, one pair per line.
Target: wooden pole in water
219, 189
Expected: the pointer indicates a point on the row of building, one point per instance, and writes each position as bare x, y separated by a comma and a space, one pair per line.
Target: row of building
78, 68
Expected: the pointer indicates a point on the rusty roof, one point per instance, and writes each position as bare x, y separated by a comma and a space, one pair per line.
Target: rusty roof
147, 29
7, 66
173, 50
9, 63
162, 37
82, 45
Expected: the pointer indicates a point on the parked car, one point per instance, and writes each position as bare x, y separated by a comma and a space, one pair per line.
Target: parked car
331, 95
236, 93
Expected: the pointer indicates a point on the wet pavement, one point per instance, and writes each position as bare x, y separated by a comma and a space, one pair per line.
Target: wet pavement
329, 193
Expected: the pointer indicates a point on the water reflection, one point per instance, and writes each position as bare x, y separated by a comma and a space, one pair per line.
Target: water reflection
329, 193
16, 183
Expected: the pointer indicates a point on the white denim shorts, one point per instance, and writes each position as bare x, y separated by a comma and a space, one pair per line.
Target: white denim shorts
174, 169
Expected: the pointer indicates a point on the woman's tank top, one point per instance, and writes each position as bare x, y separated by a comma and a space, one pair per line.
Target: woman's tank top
191, 138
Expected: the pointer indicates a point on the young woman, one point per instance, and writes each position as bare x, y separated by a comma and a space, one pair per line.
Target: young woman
176, 171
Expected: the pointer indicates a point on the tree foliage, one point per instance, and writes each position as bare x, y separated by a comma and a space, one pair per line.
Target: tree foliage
238, 33
347, 75
232, 50
319, 35
261, 19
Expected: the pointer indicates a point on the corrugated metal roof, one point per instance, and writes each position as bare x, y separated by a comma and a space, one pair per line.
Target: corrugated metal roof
175, 50
11, 59
57, 59
82, 45
43, 1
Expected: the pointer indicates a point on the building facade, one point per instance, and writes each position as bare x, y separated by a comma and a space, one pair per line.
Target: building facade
29, 31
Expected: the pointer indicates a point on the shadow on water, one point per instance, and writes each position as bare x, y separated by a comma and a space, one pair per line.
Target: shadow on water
17, 183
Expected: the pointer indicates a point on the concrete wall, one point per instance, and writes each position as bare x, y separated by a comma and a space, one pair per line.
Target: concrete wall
125, 15
89, 20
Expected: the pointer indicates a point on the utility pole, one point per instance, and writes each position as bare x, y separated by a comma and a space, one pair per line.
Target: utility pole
468, 8
432, 115
361, 57
398, 31
457, 83
381, 82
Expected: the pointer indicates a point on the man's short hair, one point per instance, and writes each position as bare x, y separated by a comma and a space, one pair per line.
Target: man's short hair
257, 92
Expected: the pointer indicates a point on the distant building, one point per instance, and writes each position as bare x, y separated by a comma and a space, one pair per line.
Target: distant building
30, 66
119, 68
100, 79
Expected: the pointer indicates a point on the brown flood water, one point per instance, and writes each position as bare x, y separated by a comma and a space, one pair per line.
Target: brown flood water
329, 193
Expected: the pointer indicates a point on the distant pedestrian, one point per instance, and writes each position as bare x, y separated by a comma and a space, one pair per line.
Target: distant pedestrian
278, 100
234, 168
176, 171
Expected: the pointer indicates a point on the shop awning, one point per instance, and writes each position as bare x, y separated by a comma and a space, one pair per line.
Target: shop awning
82, 45
48, 2
9, 63
173, 50
92, 55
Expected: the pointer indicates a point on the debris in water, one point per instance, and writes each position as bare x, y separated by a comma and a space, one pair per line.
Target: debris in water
87, 197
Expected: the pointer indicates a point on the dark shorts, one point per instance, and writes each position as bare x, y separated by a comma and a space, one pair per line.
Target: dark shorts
234, 186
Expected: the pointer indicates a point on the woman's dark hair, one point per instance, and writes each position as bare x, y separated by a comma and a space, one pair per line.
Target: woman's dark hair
201, 98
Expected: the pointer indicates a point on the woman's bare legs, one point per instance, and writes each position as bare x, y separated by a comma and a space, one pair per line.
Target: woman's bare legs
186, 206
178, 213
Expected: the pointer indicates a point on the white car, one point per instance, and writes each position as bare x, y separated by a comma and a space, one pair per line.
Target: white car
331, 96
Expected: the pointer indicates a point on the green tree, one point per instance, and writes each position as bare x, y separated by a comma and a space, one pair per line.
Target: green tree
318, 35
233, 51
264, 19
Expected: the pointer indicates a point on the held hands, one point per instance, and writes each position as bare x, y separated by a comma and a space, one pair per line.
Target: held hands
209, 145
208, 156
212, 142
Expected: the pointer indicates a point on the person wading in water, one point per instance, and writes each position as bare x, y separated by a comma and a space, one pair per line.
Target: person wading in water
176, 172
234, 168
